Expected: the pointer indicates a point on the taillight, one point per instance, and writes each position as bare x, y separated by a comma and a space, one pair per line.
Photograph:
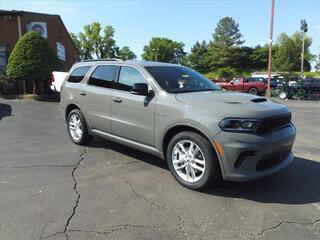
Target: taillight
52, 78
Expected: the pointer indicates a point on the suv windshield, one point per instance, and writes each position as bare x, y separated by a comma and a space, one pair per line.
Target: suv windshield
176, 79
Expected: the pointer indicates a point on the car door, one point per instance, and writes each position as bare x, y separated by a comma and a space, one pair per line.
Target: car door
132, 116
237, 85
95, 96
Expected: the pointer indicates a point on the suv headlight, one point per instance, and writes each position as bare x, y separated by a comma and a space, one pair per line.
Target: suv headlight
238, 124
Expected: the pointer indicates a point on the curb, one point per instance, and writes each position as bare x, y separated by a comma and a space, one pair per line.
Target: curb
32, 96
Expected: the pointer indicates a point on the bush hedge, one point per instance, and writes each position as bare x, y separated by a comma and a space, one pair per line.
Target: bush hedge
32, 59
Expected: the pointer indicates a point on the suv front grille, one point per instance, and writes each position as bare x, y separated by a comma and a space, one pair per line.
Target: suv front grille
270, 124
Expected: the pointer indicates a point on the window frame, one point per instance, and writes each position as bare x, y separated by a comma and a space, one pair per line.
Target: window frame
84, 76
137, 69
100, 65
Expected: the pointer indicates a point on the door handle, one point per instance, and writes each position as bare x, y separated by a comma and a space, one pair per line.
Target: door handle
117, 99
82, 93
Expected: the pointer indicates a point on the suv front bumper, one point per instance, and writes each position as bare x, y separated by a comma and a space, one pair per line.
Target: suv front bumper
248, 156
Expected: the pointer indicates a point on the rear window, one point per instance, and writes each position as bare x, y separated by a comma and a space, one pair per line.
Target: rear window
78, 74
104, 76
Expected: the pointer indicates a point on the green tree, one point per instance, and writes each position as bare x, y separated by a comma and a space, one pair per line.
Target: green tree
125, 53
259, 57
198, 56
92, 43
163, 50
288, 54
317, 66
83, 46
226, 42
32, 59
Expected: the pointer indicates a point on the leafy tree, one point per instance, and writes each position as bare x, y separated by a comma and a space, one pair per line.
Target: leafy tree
91, 43
198, 56
317, 66
288, 55
32, 59
227, 33
259, 57
226, 42
82, 45
308, 57
227, 72
125, 53
163, 50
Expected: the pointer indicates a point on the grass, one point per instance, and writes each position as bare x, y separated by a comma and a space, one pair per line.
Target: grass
247, 73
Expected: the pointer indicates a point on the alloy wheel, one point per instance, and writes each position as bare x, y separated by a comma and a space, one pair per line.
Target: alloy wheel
75, 127
188, 161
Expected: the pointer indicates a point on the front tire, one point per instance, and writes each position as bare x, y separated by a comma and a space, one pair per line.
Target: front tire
253, 91
192, 161
283, 95
77, 128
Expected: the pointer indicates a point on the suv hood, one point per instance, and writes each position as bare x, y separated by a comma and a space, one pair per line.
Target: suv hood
233, 104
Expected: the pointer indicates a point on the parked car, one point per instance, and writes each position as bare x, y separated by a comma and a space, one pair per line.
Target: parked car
57, 79
251, 85
177, 114
275, 83
217, 80
303, 89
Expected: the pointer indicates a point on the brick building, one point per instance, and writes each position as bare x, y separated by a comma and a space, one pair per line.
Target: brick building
13, 24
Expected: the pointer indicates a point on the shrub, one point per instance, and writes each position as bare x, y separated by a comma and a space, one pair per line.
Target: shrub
227, 72
7, 85
32, 59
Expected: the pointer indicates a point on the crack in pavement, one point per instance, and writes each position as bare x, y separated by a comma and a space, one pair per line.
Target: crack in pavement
38, 165
75, 167
152, 204
76, 191
263, 231
115, 228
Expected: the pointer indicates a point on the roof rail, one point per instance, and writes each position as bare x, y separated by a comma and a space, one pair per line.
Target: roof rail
102, 59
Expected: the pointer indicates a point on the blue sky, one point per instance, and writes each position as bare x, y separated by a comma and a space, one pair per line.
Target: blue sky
136, 22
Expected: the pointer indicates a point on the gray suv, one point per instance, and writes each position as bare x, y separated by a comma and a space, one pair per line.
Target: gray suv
175, 113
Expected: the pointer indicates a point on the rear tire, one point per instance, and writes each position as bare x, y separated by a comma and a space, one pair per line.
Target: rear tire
194, 165
77, 128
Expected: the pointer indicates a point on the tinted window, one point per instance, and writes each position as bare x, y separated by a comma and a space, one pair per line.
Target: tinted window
104, 76
178, 79
129, 76
78, 74
236, 81
255, 79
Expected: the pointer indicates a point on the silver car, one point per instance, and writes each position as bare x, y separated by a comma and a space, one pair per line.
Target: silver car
175, 113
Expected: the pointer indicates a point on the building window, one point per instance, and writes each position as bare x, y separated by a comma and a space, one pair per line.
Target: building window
3, 57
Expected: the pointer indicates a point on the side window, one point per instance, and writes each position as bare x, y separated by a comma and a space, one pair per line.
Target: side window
236, 81
78, 74
129, 76
104, 76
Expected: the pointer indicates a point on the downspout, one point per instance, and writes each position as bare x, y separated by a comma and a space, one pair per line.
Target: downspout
20, 34
19, 26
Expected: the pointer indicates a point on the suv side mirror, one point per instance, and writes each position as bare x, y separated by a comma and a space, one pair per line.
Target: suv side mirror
140, 89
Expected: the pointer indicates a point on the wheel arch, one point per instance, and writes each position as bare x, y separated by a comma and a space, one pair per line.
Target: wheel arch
69, 108
173, 130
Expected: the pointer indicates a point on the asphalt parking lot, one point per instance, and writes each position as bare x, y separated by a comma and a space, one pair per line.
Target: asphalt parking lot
53, 189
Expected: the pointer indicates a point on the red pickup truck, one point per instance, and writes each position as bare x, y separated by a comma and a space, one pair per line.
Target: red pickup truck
253, 85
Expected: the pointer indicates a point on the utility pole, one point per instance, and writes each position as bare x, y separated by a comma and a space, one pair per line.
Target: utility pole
268, 93
304, 28
156, 51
